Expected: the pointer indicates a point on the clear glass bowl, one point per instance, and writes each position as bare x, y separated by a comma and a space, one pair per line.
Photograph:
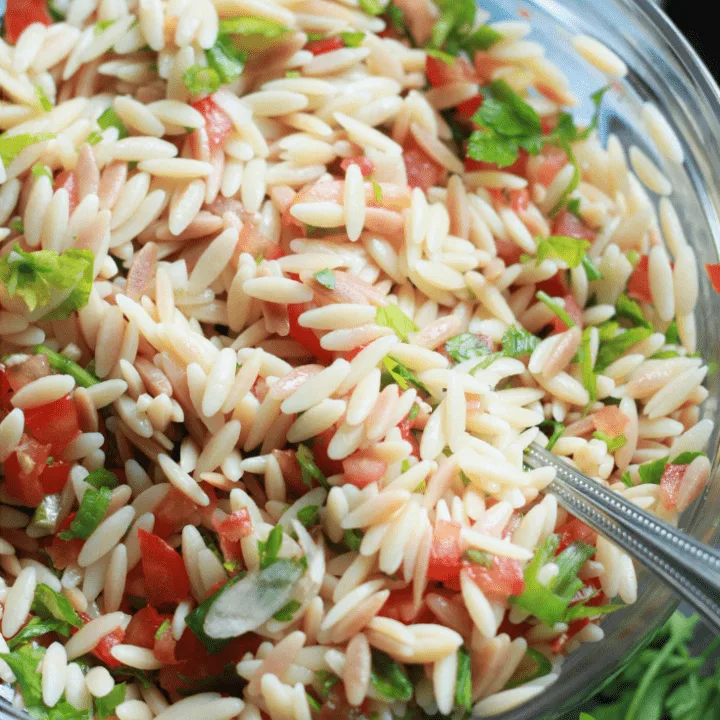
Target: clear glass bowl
664, 69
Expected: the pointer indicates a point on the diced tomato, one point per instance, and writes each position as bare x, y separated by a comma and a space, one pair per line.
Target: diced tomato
172, 513
291, 470
54, 476
508, 251
575, 627
325, 45
21, 13
552, 161
401, 607
67, 179
670, 484
421, 171
573, 310
23, 469
713, 272
501, 580
143, 626
102, 651
164, 647
64, 552
519, 167
366, 165
405, 426
556, 286
55, 423
235, 526
468, 108
362, 469
306, 336
6, 390
446, 552
574, 530
166, 580
548, 123
320, 453
217, 123
639, 283
518, 200
611, 421
572, 226
18, 376
441, 73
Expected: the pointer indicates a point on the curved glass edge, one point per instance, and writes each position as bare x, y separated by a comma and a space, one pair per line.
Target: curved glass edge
665, 70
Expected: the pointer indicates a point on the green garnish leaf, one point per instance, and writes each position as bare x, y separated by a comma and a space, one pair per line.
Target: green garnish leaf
352, 39
326, 278
67, 366
377, 191
393, 317
18, 227
518, 342
442, 56
51, 605
652, 472
482, 38
101, 25
558, 430
37, 627
264, 27
672, 337
589, 375
400, 374
327, 682
463, 684
111, 119
201, 80
389, 679
612, 349
105, 706
163, 627
608, 330
39, 170
556, 308
561, 247
11, 146
285, 614
479, 557
227, 61
43, 99
269, 549
372, 7
24, 663
542, 665
613, 443
466, 346
353, 538
196, 619
308, 515
456, 19
102, 478
629, 309
309, 470
687, 457
89, 515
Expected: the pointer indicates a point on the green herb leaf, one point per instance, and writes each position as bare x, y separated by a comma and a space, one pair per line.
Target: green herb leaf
627, 480
466, 346
285, 614
372, 7
94, 138
352, 39
627, 308
327, 682
479, 557
102, 25
591, 270
353, 538
264, 27
607, 330
102, 478
442, 56
24, 663
482, 38
586, 366
542, 667
67, 366
326, 278
389, 679
672, 337
227, 61
12, 146
401, 374
612, 349
196, 619
518, 342
49, 604
309, 470
573, 207
686, 458
18, 227
105, 706
456, 19
377, 191
613, 443
201, 80
652, 472
556, 308
163, 627
89, 515
37, 627
463, 684
558, 430
561, 247
269, 549
308, 515
39, 170
393, 317
111, 119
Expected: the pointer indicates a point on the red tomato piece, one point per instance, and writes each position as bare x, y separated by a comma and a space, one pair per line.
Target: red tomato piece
55, 423
325, 45
64, 552
67, 179
366, 165
501, 580
143, 626
518, 200
54, 476
713, 272
446, 552
556, 286
574, 530
173, 512
291, 470
306, 336
235, 526
217, 123
573, 310
572, 226
322, 460
611, 421
468, 108
362, 469
6, 390
575, 627
552, 161
102, 651
441, 73
639, 283
21, 13
519, 167
25, 372
421, 171
508, 251
401, 607
23, 469
166, 580
670, 484
164, 647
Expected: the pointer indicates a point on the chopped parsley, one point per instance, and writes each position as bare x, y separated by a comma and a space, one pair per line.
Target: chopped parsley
326, 278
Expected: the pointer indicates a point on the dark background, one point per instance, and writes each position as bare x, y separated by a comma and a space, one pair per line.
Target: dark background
703, 35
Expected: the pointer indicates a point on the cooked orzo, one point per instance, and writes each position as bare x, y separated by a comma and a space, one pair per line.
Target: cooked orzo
286, 289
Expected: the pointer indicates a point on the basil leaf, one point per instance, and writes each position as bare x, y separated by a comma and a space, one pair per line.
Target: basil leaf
401, 375
466, 346
561, 247
269, 549
49, 604
308, 515
326, 278
105, 706
201, 80
393, 317
352, 39
652, 472
111, 119
11, 146
612, 349
309, 470
227, 62
389, 679
37, 627
686, 458
518, 342
24, 663
613, 443
627, 308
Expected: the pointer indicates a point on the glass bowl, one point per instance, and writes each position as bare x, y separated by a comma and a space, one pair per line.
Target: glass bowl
665, 70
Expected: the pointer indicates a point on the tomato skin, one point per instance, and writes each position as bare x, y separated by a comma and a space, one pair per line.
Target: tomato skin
64, 552
26, 486
518, 200
305, 336
440, 73
366, 165
575, 530
469, 107
501, 580
67, 179
611, 421
6, 390
35, 367
446, 552
713, 272
519, 167
571, 226
421, 171
322, 460
143, 625
55, 423
173, 512
21, 13
54, 476
325, 45
401, 607
670, 484
166, 580
102, 651
362, 469
639, 283
556, 286
573, 310
217, 123
552, 161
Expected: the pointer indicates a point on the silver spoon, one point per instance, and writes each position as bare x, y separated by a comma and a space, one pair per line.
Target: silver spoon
689, 567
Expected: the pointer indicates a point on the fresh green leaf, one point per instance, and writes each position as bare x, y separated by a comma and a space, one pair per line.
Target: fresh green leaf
574, 183
627, 480
67, 366
352, 39
92, 509
573, 207
586, 366
163, 627
393, 317
612, 349
396, 18
18, 227
482, 38
401, 375
442, 56
591, 270
55, 13
479, 557
326, 278
308, 515
672, 337
518, 342
37, 627
456, 20
389, 679
633, 257
627, 308
201, 80
264, 27
11, 146
466, 346
24, 663
269, 549
102, 478
39, 170
111, 119
414, 411
607, 330
541, 667
613, 443
558, 430
377, 191
196, 619
327, 682
227, 61
372, 7
292, 74
568, 249
93, 138
309, 470
652, 472
49, 604
105, 706
556, 308
315, 706
664, 355
352, 539
686, 458
463, 684
405, 465
102, 25
285, 614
